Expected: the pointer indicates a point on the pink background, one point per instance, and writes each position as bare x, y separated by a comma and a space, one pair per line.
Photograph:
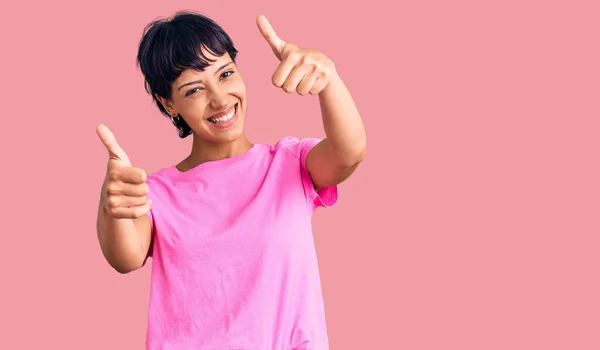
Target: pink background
473, 224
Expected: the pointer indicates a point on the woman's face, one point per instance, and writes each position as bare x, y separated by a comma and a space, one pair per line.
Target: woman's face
212, 102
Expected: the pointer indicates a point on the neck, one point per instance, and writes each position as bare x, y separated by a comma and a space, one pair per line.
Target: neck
204, 151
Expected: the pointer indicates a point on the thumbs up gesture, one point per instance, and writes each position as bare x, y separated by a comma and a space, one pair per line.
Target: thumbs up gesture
124, 190
301, 70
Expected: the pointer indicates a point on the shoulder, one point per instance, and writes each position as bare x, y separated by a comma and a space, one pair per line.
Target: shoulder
157, 175
158, 180
296, 151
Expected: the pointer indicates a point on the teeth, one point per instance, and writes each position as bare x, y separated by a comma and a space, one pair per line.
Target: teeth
224, 118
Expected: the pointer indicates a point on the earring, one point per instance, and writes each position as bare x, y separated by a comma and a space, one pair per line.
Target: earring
175, 119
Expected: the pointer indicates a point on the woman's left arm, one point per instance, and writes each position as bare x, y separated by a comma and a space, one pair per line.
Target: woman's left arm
337, 156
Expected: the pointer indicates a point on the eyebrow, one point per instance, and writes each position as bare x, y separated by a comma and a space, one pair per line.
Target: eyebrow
199, 81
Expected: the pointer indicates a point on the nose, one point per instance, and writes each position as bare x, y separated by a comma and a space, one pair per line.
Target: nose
218, 99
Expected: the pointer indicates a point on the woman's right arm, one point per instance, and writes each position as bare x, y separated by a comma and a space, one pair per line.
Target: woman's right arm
123, 226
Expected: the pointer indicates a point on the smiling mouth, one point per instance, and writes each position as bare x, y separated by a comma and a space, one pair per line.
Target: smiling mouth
227, 117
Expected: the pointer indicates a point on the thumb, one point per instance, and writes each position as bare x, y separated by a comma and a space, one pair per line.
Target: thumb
269, 34
109, 140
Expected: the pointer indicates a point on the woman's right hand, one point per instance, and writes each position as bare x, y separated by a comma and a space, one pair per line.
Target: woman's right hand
124, 189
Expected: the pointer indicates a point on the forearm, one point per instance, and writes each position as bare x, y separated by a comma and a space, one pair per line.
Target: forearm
120, 242
343, 126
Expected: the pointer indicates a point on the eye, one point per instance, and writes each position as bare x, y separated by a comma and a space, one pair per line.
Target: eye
226, 74
192, 91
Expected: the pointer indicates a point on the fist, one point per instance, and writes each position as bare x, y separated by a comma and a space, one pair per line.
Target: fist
301, 70
124, 189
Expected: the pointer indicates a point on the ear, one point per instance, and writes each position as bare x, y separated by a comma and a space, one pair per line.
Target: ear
167, 105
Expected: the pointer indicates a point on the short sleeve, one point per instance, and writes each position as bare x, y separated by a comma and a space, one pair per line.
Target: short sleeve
325, 197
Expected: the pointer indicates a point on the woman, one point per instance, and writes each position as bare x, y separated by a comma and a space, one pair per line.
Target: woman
229, 227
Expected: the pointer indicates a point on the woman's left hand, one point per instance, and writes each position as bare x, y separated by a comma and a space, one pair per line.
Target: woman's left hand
301, 70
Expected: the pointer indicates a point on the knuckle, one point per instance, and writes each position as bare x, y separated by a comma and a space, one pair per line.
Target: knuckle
307, 60
143, 174
331, 64
112, 189
113, 175
112, 202
295, 55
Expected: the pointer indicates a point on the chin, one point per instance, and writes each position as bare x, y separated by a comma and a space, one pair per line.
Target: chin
227, 128
226, 136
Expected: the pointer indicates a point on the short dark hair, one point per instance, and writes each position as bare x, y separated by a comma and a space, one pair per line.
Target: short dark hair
170, 46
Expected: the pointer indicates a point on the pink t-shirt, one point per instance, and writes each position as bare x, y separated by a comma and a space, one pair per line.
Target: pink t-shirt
234, 262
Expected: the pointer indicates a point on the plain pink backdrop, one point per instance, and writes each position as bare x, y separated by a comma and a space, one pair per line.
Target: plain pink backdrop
473, 224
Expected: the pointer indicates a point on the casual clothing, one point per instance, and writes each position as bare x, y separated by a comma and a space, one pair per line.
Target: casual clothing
234, 262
